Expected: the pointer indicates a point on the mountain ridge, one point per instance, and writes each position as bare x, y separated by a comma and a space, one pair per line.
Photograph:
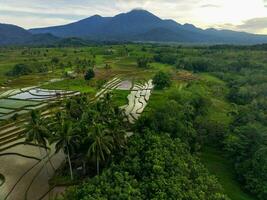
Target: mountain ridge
138, 25
14, 35
134, 26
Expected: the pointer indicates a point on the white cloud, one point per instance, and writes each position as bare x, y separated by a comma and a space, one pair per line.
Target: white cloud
254, 25
202, 13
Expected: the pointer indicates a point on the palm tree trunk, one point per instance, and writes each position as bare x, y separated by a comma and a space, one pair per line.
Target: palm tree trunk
97, 165
71, 174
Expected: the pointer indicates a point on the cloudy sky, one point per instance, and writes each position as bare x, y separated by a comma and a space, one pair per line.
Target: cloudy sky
244, 15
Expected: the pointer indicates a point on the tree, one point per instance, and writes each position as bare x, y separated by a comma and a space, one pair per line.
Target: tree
65, 139
37, 132
20, 69
102, 144
89, 74
154, 166
54, 61
143, 62
118, 132
161, 80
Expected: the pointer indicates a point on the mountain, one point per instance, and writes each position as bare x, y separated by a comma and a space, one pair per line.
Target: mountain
136, 26
141, 25
15, 35
11, 34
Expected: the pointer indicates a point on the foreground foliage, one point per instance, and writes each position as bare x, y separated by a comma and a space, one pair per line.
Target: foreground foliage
159, 162
154, 167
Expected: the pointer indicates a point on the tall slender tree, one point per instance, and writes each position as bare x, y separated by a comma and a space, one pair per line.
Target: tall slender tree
102, 144
65, 140
37, 132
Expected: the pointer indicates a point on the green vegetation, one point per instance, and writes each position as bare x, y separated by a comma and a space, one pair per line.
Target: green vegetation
220, 166
161, 80
14, 104
143, 62
210, 108
80, 85
89, 74
120, 97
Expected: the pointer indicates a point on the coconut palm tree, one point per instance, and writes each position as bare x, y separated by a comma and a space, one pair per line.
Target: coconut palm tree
102, 144
65, 139
37, 132
118, 133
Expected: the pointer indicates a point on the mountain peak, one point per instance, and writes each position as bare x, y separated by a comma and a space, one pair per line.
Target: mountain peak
96, 16
142, 25
140, 11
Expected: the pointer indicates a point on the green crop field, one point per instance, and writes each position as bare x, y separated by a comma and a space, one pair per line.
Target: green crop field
15, 104
5, 110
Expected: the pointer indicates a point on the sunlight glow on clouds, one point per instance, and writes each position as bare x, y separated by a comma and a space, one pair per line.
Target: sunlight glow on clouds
243, 15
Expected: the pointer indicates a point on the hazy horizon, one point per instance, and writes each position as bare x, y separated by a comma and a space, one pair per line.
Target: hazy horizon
249, 16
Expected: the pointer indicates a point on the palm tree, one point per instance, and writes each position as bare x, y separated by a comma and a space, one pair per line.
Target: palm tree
102, 144
118, 133
65, 139
37, 132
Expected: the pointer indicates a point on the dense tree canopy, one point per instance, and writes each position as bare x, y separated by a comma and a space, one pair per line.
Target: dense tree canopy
89, 74
162, 80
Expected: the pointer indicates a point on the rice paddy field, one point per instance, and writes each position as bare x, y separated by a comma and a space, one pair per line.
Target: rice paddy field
132, 90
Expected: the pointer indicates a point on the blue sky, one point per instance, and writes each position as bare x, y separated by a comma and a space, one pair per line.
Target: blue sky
243, 15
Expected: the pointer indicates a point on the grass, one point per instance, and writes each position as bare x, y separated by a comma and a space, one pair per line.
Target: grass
16, 104
120, 97
222, 168
5, 110
80, 85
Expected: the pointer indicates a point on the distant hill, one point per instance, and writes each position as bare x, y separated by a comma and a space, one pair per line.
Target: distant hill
11, 34
141, 25
15, 35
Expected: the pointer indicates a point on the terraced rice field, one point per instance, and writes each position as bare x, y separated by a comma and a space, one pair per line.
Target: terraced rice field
22, 165
25, 171
108, 87
138, 99
15, 104
21, 101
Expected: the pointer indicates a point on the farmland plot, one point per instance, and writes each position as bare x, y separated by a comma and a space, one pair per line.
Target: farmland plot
108, 87
138, 99
21, 101
25, 175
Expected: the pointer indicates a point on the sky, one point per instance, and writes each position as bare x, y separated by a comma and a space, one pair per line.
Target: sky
241, 15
